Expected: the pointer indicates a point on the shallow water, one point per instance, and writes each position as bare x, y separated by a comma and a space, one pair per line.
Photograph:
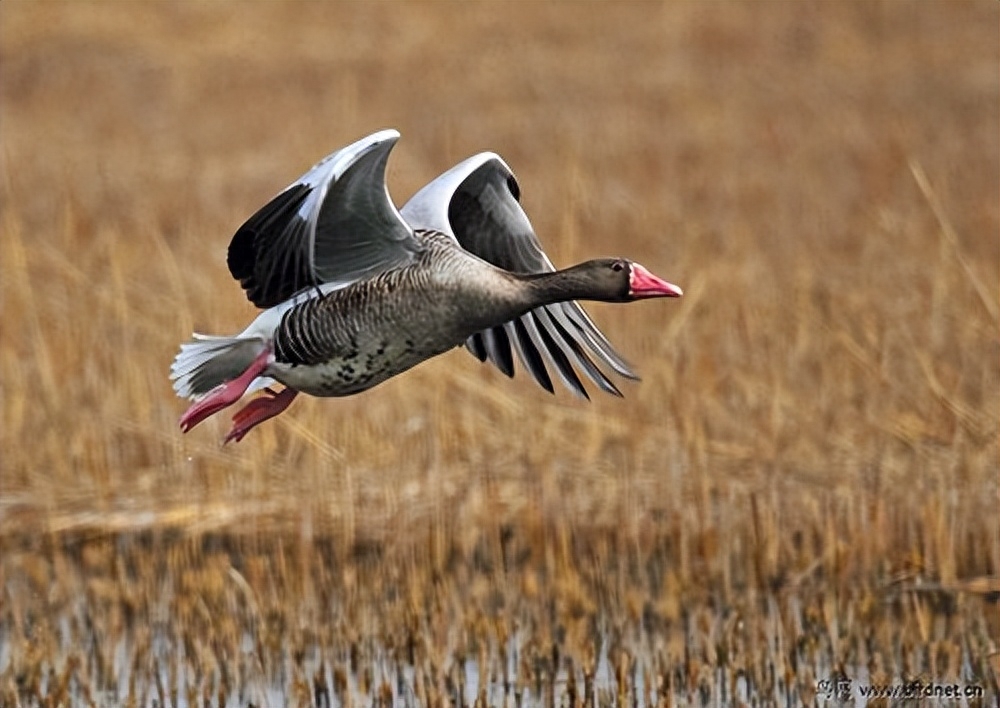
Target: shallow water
171, 620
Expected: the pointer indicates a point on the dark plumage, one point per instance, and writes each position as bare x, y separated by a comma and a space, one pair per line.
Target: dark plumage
357, 292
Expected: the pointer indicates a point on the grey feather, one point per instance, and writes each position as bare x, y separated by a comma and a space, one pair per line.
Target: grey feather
335, 224
207, 361
477, 203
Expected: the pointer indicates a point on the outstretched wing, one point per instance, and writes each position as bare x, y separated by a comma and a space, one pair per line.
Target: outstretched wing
477, 202
335, 224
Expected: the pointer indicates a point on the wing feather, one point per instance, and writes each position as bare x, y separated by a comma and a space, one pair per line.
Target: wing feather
528, 353
559, 359
477, 203
476, 347
498, 349
335, 224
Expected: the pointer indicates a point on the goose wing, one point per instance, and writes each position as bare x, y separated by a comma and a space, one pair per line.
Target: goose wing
477, 202
335, 224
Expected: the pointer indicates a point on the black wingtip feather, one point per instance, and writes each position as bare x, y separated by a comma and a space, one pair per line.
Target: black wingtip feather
475, 346
531, 357
562, 362
250, 258
590, 368
498, 349
592, 336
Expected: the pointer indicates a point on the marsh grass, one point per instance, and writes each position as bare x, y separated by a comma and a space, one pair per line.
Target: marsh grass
803, 486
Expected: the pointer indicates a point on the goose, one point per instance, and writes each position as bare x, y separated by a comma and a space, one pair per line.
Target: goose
354, 291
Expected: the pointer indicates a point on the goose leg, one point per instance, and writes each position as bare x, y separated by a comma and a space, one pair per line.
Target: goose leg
225, 394
258, 410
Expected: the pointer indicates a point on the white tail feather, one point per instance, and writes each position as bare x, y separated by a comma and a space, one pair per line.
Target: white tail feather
207, 361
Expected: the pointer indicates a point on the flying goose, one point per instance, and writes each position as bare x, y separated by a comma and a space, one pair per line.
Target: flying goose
355, 292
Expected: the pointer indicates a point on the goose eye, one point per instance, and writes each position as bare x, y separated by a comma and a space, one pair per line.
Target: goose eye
617, 266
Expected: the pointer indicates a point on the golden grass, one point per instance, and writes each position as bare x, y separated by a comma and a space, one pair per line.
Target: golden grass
804, 483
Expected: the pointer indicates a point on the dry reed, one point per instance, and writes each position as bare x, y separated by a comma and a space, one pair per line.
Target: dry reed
803, 486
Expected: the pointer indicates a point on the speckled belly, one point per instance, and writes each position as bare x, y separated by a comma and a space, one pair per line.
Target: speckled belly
354, 338
355, 369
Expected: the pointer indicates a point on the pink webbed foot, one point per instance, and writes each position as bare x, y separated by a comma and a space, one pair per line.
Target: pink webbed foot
225, 394
258, 410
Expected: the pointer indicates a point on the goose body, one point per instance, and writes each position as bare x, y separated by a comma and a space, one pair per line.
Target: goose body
353, 338
355, 292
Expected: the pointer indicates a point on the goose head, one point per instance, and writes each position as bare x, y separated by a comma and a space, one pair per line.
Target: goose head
602, 279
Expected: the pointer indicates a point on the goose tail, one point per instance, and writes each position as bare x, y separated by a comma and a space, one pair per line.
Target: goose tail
208, 361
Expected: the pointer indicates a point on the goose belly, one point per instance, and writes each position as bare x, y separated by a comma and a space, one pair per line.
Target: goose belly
355, 369
357, 337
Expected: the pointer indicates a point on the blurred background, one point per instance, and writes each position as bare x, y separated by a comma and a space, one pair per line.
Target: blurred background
811, 453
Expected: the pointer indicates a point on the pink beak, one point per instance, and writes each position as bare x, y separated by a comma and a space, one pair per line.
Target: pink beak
644, 284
